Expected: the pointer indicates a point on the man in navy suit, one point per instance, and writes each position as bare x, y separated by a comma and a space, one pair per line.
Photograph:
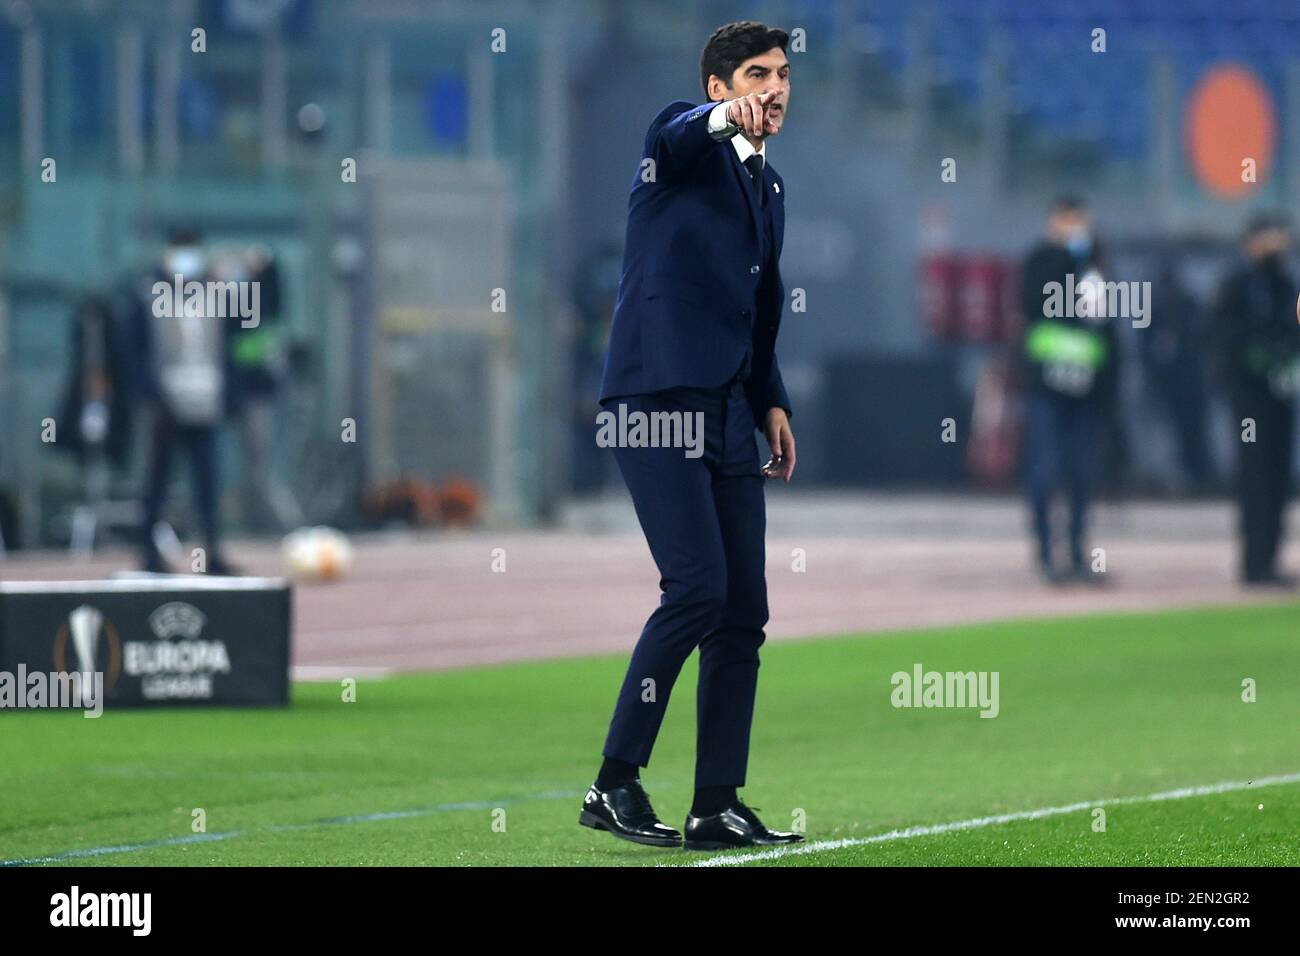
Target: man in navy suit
693, 344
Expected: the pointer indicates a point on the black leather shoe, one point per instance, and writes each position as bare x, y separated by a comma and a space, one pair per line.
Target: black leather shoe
626, 813
735, 826
154, 562
220, 566
1051, 575
1270, 580
1083, 574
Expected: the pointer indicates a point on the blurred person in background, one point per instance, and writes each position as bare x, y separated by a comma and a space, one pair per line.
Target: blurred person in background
595, 294
1068, 355
1170, 353
1255, 344
256, 371
98, 391
99, 404
182, 371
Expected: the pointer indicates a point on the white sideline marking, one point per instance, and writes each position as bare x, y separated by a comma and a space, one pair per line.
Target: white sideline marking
739, 858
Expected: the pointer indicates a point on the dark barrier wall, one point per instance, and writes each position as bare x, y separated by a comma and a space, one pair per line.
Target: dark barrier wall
157, 641
885, 416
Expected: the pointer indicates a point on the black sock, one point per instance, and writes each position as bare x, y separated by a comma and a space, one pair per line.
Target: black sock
615, 773
711, 800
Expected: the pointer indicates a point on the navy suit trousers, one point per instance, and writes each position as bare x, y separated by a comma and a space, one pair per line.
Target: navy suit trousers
1060, 439
704, 520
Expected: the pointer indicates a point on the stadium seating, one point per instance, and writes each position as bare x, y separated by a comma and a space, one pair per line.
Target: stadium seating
1056, 82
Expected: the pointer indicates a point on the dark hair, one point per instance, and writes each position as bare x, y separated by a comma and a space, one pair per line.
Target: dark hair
186, 235
733, 44
1266, 220
1068, 204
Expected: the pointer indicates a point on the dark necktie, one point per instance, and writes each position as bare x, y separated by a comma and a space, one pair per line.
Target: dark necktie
755, 166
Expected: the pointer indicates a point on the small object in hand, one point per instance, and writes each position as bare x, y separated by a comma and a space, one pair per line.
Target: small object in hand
773, 466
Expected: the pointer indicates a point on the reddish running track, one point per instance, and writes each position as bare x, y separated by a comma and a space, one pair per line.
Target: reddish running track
872, 563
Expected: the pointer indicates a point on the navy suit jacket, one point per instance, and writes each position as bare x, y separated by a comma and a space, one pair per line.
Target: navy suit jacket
695, 294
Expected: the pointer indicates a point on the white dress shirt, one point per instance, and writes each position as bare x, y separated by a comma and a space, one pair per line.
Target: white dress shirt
722, 128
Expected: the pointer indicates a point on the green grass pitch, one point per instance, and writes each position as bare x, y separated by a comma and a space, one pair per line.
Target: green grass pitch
487, 766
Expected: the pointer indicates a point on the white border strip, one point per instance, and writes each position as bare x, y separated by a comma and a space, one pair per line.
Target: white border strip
146, 584
314, 673
740, 858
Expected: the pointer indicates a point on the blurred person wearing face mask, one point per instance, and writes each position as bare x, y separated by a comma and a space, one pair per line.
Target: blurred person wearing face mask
1255, 344
1067, 358
1171, 358
181, 361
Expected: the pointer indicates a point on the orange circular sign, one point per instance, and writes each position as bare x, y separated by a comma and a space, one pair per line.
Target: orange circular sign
1231, 131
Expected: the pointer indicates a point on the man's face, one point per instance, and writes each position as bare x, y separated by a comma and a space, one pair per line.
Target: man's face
1066, 223
758, 74
1268, 244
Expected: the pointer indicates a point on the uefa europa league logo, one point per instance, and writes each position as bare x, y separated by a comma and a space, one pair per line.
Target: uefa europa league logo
90, 634
85, 623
